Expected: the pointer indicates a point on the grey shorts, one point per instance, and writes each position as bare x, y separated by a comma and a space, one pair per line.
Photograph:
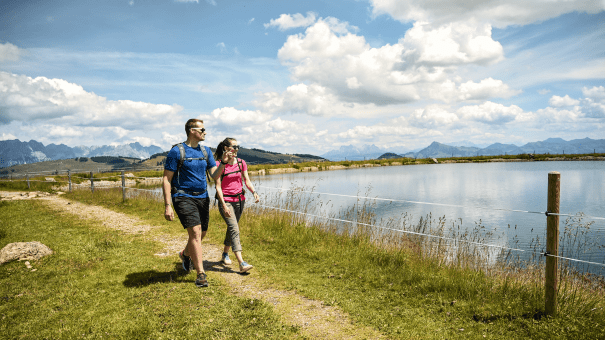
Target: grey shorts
192, 211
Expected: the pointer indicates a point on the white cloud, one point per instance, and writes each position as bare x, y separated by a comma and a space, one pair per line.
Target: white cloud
593, 105
595, 93
452, 44
499, 13
490, 113
551, 115
227, 117
25, 99
287, 21
543, 91
171, 139
250, 21
9, 52
64, 131
340, 66
432, 116
557, 101
185, 1
7, 136
448, 91
210, 2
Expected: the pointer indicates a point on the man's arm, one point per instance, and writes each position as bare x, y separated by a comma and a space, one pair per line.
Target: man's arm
215, 171
166, 188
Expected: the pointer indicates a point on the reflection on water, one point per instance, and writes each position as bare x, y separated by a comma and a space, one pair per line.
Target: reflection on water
481, 189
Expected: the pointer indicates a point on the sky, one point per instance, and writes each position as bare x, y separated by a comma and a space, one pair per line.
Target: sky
302, 76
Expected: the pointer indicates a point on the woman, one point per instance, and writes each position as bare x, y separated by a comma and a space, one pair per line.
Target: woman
230, 194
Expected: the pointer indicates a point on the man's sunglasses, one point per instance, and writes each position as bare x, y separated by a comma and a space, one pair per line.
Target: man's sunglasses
200, 130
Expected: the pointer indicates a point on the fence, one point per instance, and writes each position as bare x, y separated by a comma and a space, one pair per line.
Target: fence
552, 222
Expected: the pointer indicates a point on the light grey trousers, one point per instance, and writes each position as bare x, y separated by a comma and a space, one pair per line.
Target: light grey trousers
232, 235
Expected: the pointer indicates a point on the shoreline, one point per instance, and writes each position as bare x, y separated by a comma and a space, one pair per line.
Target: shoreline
275, 171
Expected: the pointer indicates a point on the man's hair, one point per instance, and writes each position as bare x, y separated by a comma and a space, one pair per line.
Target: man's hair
191, 123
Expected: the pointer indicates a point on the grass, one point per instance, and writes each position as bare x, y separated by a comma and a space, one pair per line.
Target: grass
392, 285
103, 284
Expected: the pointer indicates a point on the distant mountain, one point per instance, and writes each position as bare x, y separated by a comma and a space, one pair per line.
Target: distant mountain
467, 144
440, 150
358, 153
13, 152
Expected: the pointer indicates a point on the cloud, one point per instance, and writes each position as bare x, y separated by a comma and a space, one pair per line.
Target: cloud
287, 21
593, 105
210, 2
196, 1
9, 52
250, 21
432, 116
557, 101
7, 136
336, 65
452, 44
229, 117
490, 113
499, 13
543, 91
448, 91
27, 99
222, 46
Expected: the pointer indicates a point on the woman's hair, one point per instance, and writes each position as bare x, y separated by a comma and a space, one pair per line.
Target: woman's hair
218, 154
191, 123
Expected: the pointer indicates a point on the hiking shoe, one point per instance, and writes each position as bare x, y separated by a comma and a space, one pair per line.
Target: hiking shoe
244, 267
186, 260
225, 259
201, 280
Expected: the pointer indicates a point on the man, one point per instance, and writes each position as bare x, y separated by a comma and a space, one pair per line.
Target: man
190, 193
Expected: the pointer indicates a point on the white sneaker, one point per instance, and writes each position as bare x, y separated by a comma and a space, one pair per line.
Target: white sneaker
225, 259
244, 267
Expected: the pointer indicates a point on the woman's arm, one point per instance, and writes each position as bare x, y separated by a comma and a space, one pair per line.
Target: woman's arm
250, 186
221, 200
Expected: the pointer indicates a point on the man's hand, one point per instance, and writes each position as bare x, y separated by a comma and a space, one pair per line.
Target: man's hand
169, 213
227, 156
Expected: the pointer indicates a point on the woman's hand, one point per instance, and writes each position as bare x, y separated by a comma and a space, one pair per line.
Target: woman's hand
226, 210
256, 198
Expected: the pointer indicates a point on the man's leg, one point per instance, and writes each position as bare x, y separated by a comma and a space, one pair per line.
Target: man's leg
194, 247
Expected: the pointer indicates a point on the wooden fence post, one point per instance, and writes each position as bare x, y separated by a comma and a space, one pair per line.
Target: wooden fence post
123, 187
27, 178
552, 242
69, 179
92, 183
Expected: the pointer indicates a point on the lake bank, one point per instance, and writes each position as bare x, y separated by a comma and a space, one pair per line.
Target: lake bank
267, 169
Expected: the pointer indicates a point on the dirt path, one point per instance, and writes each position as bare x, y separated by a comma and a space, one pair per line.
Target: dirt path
316, 320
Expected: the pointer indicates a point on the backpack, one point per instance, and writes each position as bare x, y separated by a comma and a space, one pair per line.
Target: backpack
182, 159
243, 192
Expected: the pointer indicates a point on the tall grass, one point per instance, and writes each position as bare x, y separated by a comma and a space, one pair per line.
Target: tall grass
405, 285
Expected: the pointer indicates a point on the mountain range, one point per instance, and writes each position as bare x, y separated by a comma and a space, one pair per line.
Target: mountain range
465, 149
13, 152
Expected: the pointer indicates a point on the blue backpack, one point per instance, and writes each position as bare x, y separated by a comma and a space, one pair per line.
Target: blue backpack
182, 159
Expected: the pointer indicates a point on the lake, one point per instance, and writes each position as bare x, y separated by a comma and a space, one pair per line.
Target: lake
480, 192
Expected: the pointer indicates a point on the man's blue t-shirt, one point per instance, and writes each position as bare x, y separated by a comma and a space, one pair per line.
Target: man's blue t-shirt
192, 175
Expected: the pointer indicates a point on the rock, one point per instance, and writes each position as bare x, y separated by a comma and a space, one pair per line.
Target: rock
129, 175
49, 179
24, 251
